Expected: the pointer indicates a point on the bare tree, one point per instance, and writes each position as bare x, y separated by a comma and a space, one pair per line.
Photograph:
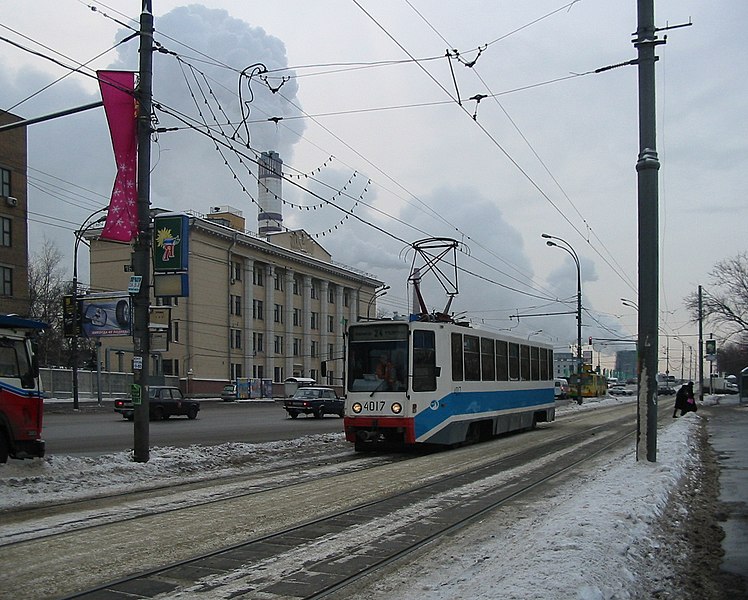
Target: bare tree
725, 301
47, 286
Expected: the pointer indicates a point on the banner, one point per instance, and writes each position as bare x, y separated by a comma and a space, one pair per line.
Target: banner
117, 93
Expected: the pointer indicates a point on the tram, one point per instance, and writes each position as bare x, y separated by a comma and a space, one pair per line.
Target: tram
441, 382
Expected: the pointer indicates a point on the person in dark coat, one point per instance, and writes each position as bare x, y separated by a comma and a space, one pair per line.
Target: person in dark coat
684, 400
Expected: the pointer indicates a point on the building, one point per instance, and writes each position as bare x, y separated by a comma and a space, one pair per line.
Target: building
14, 251
626, 365
564, 364
259, 307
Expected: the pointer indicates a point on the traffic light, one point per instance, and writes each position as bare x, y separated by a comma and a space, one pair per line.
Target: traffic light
711, 347
590, 340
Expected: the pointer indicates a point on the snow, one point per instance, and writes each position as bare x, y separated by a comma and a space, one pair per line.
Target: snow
588, 541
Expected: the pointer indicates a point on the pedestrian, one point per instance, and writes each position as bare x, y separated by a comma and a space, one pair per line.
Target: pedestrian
684, 400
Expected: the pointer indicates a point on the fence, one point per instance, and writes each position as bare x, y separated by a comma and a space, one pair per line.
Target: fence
58, 383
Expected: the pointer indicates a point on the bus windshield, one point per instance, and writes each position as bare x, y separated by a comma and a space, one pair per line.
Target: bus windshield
378, 358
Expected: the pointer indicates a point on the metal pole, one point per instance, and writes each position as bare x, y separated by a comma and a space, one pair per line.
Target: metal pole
142, 249
570, 250
701, 347
647, 168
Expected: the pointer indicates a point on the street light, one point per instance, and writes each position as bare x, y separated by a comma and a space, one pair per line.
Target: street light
568, 249
377, 294
87, 224
534, 333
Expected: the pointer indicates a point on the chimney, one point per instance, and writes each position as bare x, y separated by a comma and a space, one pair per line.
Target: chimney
270, 216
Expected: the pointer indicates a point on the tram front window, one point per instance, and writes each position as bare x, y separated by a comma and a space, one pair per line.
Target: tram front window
378, 359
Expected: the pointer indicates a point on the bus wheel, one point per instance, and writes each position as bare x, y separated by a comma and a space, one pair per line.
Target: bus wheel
3, 448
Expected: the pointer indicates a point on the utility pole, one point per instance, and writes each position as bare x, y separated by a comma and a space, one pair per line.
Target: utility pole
142, 251
647, 168
701, 348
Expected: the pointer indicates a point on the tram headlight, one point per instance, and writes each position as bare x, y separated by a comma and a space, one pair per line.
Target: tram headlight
397, 408
356, 407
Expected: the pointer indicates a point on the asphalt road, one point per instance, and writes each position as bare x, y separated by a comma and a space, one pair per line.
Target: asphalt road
94, 431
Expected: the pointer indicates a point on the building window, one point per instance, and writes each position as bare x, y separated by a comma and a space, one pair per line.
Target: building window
236, 371
331, 295
330, 351
295, 286
6, 281
330, 324
258, 371
257, 342
6, 232
236, 338
257, 311
236, 305
5, 182
278, 373
167, 301
278, 313
297, 317
296, 346
175, 332
258, 275
278, 280
170, 366
345, 299
314, 349
236, 271
278, 344
315, 320
313, 290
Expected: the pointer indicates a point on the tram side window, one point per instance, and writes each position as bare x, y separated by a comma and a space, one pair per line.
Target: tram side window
424, 361
502, 365
524, 362
457, 372
487, 359
544, 364
8, 359
513, 362
535, 363
472, 358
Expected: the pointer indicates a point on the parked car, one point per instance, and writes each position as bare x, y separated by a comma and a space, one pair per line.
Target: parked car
620, 390
665, 390
163, 402
228, 393
318, 401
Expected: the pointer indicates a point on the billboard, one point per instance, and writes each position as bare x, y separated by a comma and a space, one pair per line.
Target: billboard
106, 314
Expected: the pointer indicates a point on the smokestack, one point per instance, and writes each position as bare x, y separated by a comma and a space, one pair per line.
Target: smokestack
270, 216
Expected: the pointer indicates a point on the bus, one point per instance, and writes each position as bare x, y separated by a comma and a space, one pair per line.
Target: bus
21, 402
594, 384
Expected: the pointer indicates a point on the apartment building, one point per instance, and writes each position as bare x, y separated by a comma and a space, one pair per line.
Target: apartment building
272, 306
14, 252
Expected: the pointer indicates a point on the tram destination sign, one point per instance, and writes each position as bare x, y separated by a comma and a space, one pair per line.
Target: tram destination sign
379, 332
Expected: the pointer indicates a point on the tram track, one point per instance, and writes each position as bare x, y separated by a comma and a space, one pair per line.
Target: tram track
319, 556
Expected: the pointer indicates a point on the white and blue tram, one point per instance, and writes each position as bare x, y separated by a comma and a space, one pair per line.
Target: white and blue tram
442, 383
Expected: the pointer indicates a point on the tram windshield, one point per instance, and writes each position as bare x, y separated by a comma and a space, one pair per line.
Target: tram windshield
378, 358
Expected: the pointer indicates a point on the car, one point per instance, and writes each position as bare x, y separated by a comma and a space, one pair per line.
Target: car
665, 390
620, 390
228, 393
317, 401
163, 402
560, 388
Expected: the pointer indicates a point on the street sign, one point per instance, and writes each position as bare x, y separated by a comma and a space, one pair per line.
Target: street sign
134, 286
136, 394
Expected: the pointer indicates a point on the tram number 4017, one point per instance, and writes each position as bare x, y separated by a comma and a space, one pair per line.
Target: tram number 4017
373, 405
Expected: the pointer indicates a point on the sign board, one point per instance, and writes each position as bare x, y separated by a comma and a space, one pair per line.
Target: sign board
159, 341
104, 315
170, 284
159, 317
134, 286
136, 394
137, 363
70, 327
171, 233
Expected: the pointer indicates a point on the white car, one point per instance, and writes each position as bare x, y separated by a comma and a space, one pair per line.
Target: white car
561, 389
620, 390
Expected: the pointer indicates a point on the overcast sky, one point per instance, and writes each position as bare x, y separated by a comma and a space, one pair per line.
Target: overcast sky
551, 148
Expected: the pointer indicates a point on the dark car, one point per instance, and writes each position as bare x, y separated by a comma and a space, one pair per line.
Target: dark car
318, 401
163, 402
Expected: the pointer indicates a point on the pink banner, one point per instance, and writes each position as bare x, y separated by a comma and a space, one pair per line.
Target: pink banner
117, 93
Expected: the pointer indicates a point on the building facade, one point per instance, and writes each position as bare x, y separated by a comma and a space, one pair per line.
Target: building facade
258, 307
14, 253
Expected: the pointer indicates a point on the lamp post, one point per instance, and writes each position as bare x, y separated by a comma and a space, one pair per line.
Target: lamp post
565, 246
87, 224
534, 333
377, 294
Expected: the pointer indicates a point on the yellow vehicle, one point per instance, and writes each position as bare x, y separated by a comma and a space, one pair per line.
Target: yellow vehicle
594, 384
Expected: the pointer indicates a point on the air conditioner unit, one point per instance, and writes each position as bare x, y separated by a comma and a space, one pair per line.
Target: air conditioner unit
11, 201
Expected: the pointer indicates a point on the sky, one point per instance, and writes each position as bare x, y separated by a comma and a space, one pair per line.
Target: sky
384, 142
614, 562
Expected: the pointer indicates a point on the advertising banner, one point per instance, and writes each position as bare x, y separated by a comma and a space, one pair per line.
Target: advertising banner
105, 315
